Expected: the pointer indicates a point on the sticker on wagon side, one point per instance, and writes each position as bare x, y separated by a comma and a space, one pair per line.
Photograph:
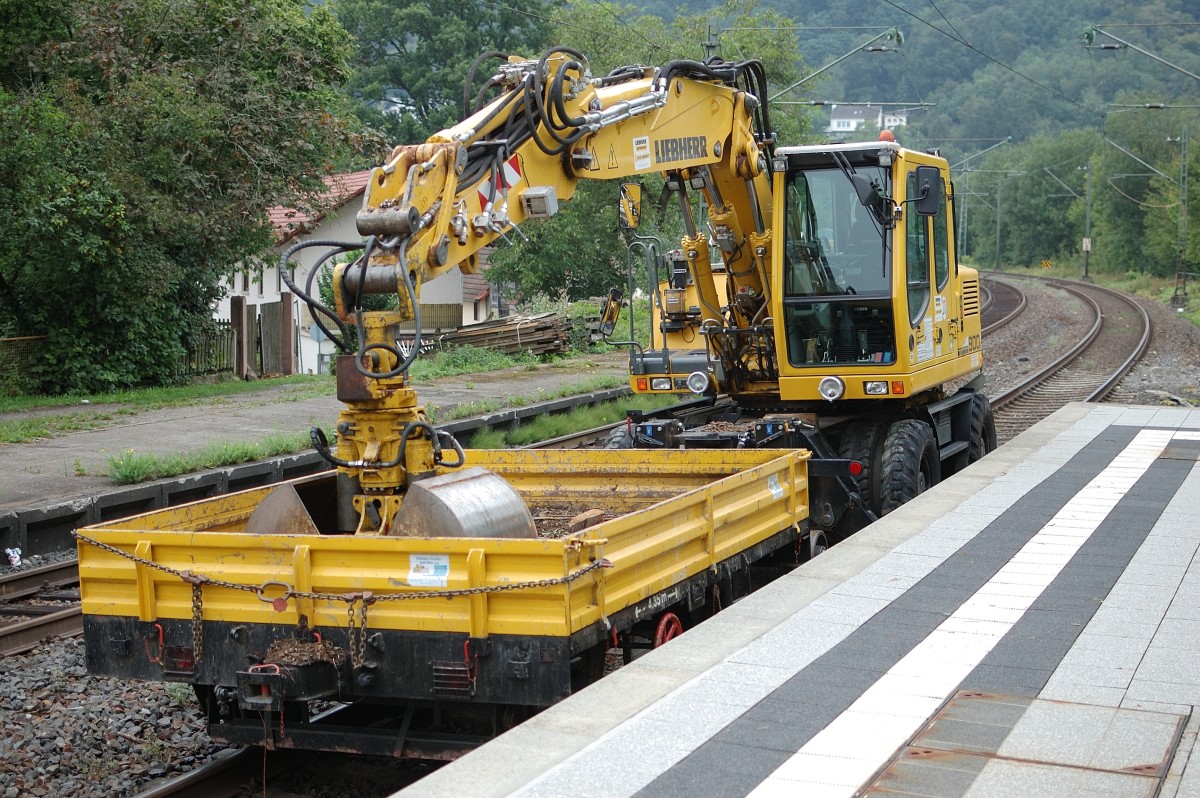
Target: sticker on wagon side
428, 570
774, 486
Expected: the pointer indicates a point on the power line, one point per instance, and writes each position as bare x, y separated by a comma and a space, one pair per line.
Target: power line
994, 60
615, 16
961, 38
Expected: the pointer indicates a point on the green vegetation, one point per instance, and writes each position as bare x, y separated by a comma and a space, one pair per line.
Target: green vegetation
549, 426
111, 407
144, 141
24, 430
299, 386
465, 360
129, 467
468, 409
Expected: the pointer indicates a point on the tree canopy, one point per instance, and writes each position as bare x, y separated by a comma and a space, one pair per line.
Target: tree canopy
144, 141
413, 58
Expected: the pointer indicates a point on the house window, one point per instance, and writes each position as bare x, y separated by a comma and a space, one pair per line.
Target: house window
246, 281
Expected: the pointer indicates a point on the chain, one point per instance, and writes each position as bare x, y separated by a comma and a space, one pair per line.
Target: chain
197, 626
196, 580
357, 636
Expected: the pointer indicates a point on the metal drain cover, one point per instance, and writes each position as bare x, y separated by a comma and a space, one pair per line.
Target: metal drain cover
983, 744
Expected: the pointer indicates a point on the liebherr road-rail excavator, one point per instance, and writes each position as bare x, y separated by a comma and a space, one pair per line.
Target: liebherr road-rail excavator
819, 305
811, 324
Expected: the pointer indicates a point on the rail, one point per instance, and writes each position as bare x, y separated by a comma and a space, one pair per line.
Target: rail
1119, 323
38, 605
1003, 304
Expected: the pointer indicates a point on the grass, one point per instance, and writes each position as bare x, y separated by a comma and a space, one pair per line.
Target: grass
76, 417
465, 360
555, 425
468, 409
130, 467
23, 430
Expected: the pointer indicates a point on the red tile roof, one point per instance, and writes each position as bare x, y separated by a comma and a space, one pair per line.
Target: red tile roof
291, 222
475, 287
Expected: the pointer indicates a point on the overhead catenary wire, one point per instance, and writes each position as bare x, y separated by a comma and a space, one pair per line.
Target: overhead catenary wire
957, 38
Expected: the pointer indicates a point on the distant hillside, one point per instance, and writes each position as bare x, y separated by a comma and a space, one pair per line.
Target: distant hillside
1016, 68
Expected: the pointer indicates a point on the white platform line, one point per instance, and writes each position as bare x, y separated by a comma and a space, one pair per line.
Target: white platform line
847, 752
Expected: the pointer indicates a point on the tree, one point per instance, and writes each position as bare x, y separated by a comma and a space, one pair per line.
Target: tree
1038, 223
414, 56
148, 138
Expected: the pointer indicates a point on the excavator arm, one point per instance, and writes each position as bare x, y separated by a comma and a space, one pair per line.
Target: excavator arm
523, 153
434, 206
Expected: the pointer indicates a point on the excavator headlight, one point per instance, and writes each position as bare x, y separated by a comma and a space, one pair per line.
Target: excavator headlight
832, 388
660, 384
697, 382
875, 388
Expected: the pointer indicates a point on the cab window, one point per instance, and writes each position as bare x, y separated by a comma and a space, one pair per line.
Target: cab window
941, 248
916, 255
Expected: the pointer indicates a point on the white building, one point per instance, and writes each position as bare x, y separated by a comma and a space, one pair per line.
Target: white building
845, 120
261, 282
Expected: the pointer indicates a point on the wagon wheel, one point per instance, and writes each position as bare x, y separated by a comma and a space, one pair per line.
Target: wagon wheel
669, 627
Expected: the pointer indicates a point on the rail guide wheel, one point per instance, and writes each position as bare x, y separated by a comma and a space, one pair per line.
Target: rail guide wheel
669, 627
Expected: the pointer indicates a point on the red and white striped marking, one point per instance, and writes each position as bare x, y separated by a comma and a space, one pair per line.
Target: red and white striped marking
509, 176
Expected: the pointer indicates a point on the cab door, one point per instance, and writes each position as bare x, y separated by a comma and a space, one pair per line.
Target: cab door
932, 305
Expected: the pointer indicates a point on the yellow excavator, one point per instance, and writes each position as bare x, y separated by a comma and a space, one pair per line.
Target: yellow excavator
817, 311
820, 304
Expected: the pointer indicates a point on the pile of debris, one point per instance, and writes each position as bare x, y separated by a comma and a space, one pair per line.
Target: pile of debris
541, 334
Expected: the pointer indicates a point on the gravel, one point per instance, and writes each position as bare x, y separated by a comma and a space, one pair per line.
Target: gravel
1168, 374
63, 733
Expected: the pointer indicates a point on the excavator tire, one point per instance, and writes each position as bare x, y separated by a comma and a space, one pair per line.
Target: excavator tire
909, 465
983, 428
619, 437
864, 442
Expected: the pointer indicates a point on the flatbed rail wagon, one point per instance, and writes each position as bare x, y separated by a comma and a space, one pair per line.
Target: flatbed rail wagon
425, 645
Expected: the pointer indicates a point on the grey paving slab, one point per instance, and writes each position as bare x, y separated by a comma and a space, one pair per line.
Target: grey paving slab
1061, 689
1089, 736
1004, 779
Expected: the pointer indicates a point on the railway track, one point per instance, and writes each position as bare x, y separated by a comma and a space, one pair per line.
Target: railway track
287, 772
1072, 378
1088, 371
1002, 303
38, 603
42, 603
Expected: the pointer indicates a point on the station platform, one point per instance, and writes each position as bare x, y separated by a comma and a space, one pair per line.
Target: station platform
1030, 627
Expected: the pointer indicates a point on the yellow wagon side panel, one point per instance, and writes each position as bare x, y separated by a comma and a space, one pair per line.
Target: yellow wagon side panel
721, 503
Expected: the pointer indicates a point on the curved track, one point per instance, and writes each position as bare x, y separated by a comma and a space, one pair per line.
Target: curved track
1003, 303
1088, 371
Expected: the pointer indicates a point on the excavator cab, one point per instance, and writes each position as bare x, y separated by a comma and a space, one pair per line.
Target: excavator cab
871, 297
